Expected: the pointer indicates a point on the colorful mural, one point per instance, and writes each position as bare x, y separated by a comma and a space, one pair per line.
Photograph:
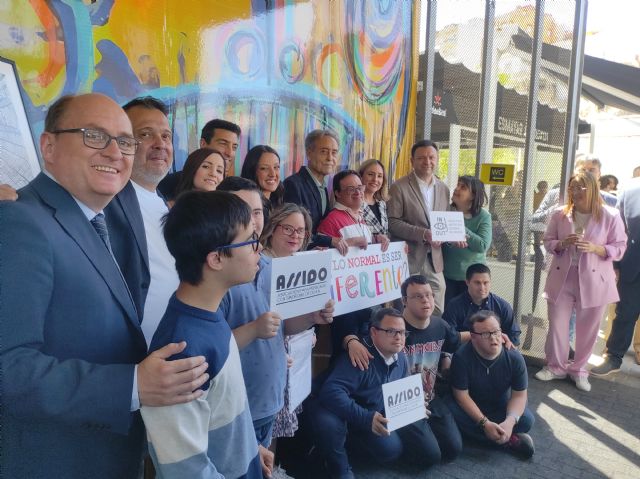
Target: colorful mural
278, 68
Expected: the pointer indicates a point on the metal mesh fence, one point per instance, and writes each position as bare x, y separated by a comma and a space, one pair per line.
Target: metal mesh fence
455, 112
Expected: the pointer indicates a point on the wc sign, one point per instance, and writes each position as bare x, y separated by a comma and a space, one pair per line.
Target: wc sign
494, 174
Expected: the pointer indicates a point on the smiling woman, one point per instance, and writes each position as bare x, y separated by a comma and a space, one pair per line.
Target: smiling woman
262, 165
203, 170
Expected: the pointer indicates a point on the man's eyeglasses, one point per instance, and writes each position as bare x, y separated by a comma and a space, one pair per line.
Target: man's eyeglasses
496, 334
99, 140
254, 242
354, 189
577, 189
290, 230
394, 332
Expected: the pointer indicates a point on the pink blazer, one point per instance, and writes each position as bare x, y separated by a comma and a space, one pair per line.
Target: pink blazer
596, 277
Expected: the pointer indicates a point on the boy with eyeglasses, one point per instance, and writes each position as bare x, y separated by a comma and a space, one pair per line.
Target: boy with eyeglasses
212, 237
260, 332
350, 406
489, 385
429, 337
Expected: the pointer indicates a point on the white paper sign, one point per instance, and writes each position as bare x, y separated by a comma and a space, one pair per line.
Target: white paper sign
403, 401
447, 226
367, 277
300, 347
300, 283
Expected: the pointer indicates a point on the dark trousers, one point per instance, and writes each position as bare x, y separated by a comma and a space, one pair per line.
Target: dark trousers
469, 428
454, 288
627, 311
331, 433
442, 433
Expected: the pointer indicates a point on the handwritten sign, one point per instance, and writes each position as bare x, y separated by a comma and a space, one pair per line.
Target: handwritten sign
403, 401
300, 283
365, 278
447, 226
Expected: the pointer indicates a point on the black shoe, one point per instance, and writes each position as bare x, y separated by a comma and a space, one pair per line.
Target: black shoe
605, 368
522, 444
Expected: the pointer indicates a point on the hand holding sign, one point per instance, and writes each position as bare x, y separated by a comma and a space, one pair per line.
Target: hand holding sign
267, 325
378, 425
325, 315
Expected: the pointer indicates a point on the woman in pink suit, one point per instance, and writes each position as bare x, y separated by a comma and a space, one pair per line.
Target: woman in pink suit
584, 237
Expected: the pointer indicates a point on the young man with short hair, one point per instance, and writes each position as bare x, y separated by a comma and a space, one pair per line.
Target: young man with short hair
212, 237
479, 297
489, 385
350, 403
222, 136
429, 337
259, 331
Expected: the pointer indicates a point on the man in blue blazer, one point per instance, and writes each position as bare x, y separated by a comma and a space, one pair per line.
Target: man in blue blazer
308, 187
628, 308
72, 356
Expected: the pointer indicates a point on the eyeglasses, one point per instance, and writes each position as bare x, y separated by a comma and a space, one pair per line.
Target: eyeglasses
394, 332
354, 189
99, 140
254, 242
496, 334
420, 297
577, 189
290, 230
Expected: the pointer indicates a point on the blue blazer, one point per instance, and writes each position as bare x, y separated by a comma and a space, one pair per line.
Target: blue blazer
124, 221
301, 189
70, 338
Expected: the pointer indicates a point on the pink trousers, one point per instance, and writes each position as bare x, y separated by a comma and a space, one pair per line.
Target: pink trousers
588, 320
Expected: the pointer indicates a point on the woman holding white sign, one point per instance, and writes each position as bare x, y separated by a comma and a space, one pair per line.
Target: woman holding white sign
287, 232
468, 198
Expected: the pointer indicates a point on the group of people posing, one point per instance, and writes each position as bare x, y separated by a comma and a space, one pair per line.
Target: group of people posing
148, 326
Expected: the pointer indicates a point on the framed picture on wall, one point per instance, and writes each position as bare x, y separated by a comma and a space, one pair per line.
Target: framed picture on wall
18, 157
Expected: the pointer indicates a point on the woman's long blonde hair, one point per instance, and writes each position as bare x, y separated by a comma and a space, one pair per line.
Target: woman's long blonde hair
594, 200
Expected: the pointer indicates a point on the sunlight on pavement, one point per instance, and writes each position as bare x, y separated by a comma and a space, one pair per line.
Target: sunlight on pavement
584, 444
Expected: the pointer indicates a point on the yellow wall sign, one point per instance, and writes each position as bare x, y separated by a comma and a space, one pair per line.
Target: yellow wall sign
493, 174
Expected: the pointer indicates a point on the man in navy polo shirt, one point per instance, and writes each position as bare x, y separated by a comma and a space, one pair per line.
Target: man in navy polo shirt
489, 386
479, 297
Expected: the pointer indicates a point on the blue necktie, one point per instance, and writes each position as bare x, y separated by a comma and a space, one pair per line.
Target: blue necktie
100, 225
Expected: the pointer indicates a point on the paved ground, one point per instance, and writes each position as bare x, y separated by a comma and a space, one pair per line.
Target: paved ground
577, 435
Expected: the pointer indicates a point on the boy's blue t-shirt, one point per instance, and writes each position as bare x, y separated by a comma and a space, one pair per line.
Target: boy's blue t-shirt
212, 436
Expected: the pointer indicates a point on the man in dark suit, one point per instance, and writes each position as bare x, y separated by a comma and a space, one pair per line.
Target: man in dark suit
412, 198
73, 356
308, 187
628, 308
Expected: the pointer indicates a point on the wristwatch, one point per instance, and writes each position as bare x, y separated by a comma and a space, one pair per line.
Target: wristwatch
514, 416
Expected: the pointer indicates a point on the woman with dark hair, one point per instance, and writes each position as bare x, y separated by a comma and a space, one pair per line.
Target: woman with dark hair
262, 165
374, 206
585, 238
468, 198
203, 171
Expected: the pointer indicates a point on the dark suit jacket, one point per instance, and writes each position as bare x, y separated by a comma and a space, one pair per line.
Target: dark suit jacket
302, 190
126, 228
70, 339
629, 206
